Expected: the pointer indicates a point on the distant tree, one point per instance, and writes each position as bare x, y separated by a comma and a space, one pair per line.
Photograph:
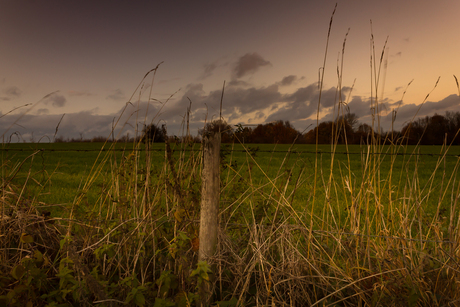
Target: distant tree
243, 134
363, 134
453, 127
351, 119
126, 139
343, 130
60, 139
99, 138
219, 125
277, 132
412, 132
433, 130
153, 133
324, 132
436, 130
284, 132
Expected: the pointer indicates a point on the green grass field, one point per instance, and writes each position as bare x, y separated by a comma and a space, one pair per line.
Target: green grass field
56, 172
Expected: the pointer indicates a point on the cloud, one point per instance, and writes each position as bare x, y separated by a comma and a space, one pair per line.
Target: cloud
208, 70
238, 83
43, 125
241, 104
244, 101
288, 80
11, 92
248, 64
117, 95
303, 103
407, 112
42, 111
56, 100
361, 106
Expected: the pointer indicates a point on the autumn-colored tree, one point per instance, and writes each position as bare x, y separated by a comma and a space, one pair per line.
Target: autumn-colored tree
284, 132
412, 132
343, 130
363, 134
277, 132
436, 130
324, 131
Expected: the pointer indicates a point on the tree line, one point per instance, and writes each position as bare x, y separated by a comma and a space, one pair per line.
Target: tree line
346, 129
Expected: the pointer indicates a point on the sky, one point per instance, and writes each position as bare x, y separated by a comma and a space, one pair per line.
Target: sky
76, 68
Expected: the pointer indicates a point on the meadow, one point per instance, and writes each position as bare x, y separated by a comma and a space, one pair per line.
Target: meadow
107, 224
55, 171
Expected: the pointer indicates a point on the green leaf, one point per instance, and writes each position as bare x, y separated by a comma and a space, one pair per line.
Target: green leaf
166, 281
184, 299
131, 295
18, 271
163, 303
25, 238
231, 303
179, 214
139, 299
413, 297
38, 256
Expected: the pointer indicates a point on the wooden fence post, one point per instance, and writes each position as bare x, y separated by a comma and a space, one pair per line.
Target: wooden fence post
210, 194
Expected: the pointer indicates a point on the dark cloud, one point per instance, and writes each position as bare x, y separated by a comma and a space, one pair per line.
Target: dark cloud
238, 83
288, 80
208, 70
249, 63
361, 107
11, 92
303, 103
56, 100
407, 112
448, 103
310, 95
243, 101
303, 94
117, 95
